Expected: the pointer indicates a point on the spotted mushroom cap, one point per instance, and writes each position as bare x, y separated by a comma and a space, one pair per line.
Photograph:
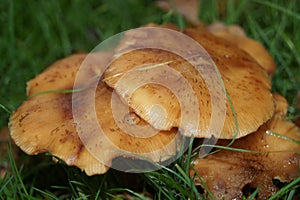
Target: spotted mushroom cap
235, 35
45, 123
246, 83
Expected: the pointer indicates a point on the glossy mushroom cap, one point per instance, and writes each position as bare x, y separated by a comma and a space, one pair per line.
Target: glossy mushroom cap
246, 83
45, 123
235, 35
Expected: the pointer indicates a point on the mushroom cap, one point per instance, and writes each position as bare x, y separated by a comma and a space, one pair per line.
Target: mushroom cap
45, 123
281, 105
189, 9
236, 36
275, 155
62, 73
246, 83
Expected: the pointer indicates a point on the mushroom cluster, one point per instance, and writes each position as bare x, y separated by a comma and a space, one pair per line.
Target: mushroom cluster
255, 161
266, 145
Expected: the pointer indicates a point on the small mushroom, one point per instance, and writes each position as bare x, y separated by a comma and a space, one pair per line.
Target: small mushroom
235, 35
45, 123
247, 85
273, 153
189, 9
281, 105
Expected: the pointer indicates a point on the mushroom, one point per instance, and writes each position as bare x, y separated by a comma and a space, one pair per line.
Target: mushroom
246, 82
235, 35
189, 9
272, 152
45, 123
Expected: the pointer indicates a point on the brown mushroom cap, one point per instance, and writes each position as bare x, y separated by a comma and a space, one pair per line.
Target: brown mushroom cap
246, 83
45, 123
61, 74
275, 155
236, 36
189, 9
281, 105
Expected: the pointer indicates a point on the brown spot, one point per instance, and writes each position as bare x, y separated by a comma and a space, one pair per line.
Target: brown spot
22, 117
54, 131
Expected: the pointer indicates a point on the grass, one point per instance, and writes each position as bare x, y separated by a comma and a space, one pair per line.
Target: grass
35, 34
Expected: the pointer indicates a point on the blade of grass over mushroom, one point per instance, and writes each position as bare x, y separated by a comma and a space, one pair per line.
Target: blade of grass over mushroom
236, 129
283, 136
248, 150
144, 68
230, 149
57, 91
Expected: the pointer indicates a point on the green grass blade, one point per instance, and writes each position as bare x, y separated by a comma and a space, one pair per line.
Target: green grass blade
16, 174
253, 195
291, 194
282, 136
3, 187
5, 108
286, 188
47, 194
57, 91
280, 8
